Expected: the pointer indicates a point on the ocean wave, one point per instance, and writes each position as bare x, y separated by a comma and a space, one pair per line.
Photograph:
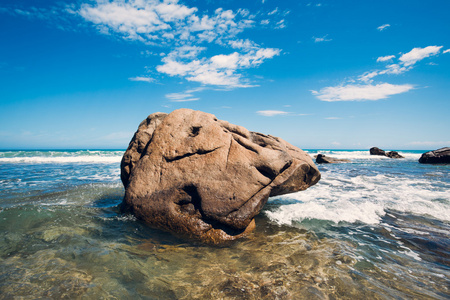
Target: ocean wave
82, 156
362, 154
365, 199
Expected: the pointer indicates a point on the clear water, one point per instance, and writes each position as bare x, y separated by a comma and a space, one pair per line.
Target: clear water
375, 228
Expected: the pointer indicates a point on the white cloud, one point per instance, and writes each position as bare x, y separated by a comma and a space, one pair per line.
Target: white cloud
273, 11
446, 51
332, 118
185, 100
405, 64
178, 96
271, 113
394, 69
352, 92
265, 22
186, 96
371, 91
385, 58
418, 54
187, 51
383, 27
243, 44
280, 25
219, 70
188, 33
142, 78
321, 39
156, 22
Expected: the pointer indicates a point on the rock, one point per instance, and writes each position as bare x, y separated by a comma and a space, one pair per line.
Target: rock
378, 151
439, 156
322, 159
189, 173
393, 154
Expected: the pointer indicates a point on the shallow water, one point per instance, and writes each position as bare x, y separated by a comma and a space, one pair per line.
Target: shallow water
375, 228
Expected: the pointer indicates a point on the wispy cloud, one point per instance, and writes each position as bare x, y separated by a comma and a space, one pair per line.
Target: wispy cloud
385, 58
351, 92
418, 54
271, 113
273, 12
383, 27
321, 39
405, 62
446, 51
219, 70
185, 31
189, 34
142, 78
187, 96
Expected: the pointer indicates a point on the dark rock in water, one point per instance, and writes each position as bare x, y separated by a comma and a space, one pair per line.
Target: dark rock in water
393, 154
189, 173
322, 159
377, 151
439, 156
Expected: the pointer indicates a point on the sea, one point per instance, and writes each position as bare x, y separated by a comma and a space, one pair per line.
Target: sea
373, 228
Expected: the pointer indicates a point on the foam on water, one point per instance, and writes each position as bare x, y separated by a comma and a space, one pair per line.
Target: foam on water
344, 195
60, 157
363, 154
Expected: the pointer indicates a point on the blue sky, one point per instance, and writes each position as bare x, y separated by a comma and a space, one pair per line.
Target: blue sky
320, 74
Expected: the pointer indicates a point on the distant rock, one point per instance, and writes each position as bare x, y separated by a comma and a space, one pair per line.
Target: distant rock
380, 152
377, 151
439, 156
191, 174
393, 154
322, 159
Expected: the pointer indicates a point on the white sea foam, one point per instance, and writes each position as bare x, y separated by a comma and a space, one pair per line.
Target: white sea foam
361, 155
80, 156
62, 159
341, 198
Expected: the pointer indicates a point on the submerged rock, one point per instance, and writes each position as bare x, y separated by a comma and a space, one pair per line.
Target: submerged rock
390, 154
322, 159
189, 173
439, 156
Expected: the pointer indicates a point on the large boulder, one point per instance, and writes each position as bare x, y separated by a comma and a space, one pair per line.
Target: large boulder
189, 173
439, 156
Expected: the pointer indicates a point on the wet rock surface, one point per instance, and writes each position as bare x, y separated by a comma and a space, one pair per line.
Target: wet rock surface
189, 173
380, 152
439, 156
377, 151
393, 154
323, 159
